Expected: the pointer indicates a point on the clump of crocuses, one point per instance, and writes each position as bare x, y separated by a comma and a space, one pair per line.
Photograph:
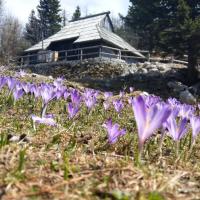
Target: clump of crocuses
151, 114
148, 119
114, 131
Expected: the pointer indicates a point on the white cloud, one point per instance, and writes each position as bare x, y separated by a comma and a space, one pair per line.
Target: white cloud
22, 8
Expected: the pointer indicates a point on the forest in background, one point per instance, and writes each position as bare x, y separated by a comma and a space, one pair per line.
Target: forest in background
163, 26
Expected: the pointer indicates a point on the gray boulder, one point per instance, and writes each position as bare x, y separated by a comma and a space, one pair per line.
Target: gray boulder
177, 86
195, 89
146, 64
142, 70
187, 97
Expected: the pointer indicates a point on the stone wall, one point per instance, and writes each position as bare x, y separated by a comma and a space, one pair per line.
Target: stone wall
103, 68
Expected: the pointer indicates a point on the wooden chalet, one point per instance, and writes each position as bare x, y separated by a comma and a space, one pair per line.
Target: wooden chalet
88, 37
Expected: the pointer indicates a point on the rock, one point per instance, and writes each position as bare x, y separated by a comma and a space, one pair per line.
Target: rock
18, 138
145, 94
34, 75
143, 71
161, 67
50, 77
164, 70
154, 74
187, 97
173, 74
195, 89
150, 67
177, 86
146, 64
153, 69
139, 65
132, 70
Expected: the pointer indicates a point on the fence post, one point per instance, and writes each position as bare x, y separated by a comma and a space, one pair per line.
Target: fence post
28, 58
172, 59
66, 55
148, 56
100, 50
22, 61
120, 54
81, 54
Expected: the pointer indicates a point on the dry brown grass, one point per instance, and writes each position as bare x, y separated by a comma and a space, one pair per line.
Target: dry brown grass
73, 161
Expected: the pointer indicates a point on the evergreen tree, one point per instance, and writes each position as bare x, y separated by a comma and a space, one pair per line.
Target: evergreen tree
32, 29
183, 34
143, 20
49, 17
77, 14
170, 25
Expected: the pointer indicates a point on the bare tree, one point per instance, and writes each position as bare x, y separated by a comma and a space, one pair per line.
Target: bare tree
1, 11
64, 18
11, 39
121, 30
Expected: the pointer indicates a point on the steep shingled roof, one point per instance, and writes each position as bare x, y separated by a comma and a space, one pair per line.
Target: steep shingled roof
86, 29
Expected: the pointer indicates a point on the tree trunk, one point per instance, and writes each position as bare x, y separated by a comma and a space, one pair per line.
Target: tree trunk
193, 74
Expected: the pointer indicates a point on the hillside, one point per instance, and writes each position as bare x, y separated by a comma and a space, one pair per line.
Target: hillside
71, 152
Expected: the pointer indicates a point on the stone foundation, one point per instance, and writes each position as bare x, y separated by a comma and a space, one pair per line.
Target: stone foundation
103, 68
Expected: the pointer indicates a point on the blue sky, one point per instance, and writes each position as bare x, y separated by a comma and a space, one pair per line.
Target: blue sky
22, 8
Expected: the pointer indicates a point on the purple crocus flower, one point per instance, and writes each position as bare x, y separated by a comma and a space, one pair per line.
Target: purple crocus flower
173, 102
75, 97
96, 93
26, 87
18, 93
21, 73
121, 94
72, 110
58, 82
47, 93
131, 100
177, 127
11, 82
90, 97
59, 92
118, 105
35, 90
151, 100
148, 120
66, 94
131, 89
48, 120
186, 111
114, 131
2, 82
107, 95
88, 93
90, 102
195, 124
